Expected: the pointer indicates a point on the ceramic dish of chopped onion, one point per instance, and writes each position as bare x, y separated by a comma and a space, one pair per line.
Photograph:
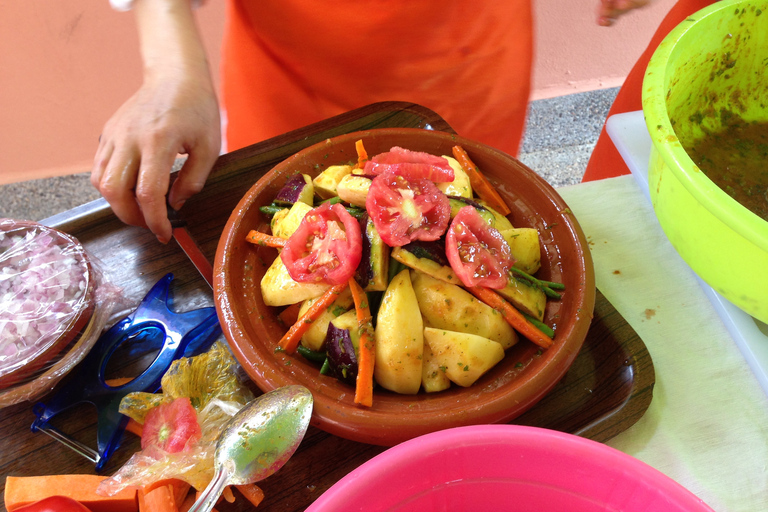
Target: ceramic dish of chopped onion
46, 297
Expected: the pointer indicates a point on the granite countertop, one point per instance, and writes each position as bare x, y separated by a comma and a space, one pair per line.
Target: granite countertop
559, 138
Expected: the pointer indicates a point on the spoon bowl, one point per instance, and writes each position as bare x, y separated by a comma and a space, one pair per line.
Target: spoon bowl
258, 441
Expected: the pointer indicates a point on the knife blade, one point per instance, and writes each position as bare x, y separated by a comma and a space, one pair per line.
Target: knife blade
190, 247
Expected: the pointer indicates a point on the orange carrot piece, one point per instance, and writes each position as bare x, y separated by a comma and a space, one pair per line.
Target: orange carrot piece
512, 316
159, 499
228, 495
290, 339
367, 356
259, 238
134, 427
290, 314
362, 154
188, 502
252, 493
480, 183
25, 490
179, 488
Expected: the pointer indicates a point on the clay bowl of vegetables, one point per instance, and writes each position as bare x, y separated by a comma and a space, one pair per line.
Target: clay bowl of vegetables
413, 280
46, 297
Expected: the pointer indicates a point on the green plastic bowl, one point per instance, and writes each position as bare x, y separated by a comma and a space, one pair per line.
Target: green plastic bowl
714, 61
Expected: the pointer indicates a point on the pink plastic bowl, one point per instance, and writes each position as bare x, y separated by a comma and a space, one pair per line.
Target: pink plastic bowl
505, 467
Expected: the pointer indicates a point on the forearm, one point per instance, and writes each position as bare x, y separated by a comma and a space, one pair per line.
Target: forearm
169, 40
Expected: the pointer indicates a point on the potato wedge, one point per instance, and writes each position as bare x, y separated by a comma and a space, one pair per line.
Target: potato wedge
327, 181
284, 225
450, 307
464, 357
399, 338
524, 244
279, 289
314, 338
433, 377
460, 185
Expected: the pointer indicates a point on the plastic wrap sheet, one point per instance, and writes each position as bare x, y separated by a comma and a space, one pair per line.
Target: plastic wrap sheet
211, 383
54, 303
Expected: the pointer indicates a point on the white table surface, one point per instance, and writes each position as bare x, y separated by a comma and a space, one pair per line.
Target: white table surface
707, 425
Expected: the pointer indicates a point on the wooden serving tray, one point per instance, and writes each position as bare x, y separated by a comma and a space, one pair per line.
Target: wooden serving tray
608, 388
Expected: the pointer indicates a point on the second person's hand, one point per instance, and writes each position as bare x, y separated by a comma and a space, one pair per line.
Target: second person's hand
174, 112
141, 142
610, 10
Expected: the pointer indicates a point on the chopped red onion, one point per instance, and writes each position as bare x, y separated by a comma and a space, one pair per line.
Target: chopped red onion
44, 282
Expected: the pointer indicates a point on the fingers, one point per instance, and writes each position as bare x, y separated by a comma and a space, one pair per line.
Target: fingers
192, 175
610, 10
151, 190
117, 182
135, 184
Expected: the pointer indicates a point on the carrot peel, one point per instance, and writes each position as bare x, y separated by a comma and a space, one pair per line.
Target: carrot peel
252, 493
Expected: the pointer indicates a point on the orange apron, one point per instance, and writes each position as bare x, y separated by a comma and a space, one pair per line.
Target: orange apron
289, 63
605, 161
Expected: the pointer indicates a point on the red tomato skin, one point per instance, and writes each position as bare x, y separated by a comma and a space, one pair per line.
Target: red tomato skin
411, 165
55, 504
400, 221
477, 252
306, 265
172, 427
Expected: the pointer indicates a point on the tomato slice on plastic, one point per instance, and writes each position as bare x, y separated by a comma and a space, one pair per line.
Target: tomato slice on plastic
477, 252
326, 247
172, 427
411, 165
405, 210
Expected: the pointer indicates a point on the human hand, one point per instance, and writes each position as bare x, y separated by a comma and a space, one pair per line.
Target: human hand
610, 10
172, 114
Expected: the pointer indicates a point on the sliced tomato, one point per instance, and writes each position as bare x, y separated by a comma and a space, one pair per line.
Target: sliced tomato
405, 210
411, 165
477, 252
326, 247
172, 427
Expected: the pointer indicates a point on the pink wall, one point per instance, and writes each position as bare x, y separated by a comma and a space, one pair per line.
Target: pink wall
66, 66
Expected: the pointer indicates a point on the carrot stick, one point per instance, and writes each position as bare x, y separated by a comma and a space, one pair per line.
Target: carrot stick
188, 502
366, 358
480, 183
362, 154
290, 314
228, 495
259, 238
159, 499
252, 493
512, 316
179, 487
134, 427
290, 339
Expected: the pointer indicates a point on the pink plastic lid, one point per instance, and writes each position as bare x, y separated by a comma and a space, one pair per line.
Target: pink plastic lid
506, 467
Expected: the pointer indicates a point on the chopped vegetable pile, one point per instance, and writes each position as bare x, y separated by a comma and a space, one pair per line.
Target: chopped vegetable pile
406, 272
44, 280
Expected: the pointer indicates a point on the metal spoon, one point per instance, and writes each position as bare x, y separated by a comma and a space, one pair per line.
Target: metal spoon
258, 440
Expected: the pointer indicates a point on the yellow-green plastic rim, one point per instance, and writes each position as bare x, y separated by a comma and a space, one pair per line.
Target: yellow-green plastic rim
709, 195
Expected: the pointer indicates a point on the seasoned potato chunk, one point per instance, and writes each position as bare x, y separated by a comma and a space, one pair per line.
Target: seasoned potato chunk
464, 357
450, 307
399, 338
278, 289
